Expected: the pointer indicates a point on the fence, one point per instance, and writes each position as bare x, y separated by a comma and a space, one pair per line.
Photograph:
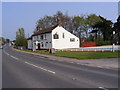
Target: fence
88, 44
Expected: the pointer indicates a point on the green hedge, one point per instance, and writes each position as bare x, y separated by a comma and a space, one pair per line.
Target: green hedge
101, 43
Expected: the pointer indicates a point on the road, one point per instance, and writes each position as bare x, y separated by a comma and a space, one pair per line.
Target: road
21, 70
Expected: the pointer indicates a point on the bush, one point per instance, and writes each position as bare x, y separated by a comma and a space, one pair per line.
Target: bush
101, 43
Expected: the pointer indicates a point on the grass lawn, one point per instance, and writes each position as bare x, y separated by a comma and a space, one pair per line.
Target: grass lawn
81, 54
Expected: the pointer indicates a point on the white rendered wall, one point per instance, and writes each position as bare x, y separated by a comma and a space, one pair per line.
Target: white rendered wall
29, 44
63, 43
46, 41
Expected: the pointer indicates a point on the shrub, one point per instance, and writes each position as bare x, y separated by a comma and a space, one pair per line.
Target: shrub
101, 43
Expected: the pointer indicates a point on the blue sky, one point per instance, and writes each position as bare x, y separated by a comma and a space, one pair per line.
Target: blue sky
0, 19
26, 14
119, 8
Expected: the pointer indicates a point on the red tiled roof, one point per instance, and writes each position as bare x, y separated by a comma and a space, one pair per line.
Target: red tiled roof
45, 30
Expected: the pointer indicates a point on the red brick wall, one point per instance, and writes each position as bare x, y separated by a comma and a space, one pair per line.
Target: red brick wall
88, 44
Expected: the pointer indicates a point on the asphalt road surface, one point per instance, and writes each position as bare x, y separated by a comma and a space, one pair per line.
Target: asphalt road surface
21, 70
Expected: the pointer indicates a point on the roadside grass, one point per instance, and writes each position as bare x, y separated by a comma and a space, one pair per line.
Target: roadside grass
81, 54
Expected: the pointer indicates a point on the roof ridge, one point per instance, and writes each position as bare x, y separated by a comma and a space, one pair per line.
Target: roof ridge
47, 30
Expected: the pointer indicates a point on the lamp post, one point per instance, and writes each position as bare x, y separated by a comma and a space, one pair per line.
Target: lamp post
113, 46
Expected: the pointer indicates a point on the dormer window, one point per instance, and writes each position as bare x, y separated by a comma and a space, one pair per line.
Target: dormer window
56, 36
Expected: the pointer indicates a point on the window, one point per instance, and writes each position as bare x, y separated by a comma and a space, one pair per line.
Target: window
41, 37
45, 36
56, 36
72, 39
63, 35
37, 37
46, 44
42, 44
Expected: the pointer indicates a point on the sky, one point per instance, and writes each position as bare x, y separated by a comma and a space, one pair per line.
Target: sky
0, 19
25, 14
119, 8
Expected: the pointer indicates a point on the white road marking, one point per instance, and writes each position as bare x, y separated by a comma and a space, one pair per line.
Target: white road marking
40, 67
53, 59
11, 55
7, 54
99, 66
103, 88
71, 62
14, 57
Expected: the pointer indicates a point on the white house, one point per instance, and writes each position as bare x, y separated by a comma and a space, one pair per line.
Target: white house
54, 37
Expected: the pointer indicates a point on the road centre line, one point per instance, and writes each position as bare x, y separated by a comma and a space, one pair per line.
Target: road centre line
40, 68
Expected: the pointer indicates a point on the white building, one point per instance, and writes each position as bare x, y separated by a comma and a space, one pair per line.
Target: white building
54, 37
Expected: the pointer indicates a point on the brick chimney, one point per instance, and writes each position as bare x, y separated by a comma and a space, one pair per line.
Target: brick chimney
58, 20
38, 28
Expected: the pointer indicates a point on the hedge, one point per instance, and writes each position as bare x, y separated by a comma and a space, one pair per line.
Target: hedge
101, 43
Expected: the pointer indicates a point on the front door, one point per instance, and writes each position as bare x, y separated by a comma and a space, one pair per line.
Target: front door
38, 46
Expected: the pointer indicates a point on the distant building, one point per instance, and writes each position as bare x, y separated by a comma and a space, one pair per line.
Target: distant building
54, 37
1, 43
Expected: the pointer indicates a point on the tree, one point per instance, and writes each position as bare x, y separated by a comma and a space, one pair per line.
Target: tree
20, 38
83, 25
78, 26
2, 39
105, 27
48, 21
91, 20
7, 40
116, 28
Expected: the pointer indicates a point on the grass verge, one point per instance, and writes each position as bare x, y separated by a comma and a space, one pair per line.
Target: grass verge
81, 54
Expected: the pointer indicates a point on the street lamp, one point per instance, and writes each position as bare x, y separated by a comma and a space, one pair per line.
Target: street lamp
113, 42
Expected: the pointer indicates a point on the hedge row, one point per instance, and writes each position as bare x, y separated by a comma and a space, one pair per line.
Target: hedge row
100, 43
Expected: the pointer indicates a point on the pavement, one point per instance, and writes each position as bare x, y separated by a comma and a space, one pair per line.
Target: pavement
23, 70
101, 63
